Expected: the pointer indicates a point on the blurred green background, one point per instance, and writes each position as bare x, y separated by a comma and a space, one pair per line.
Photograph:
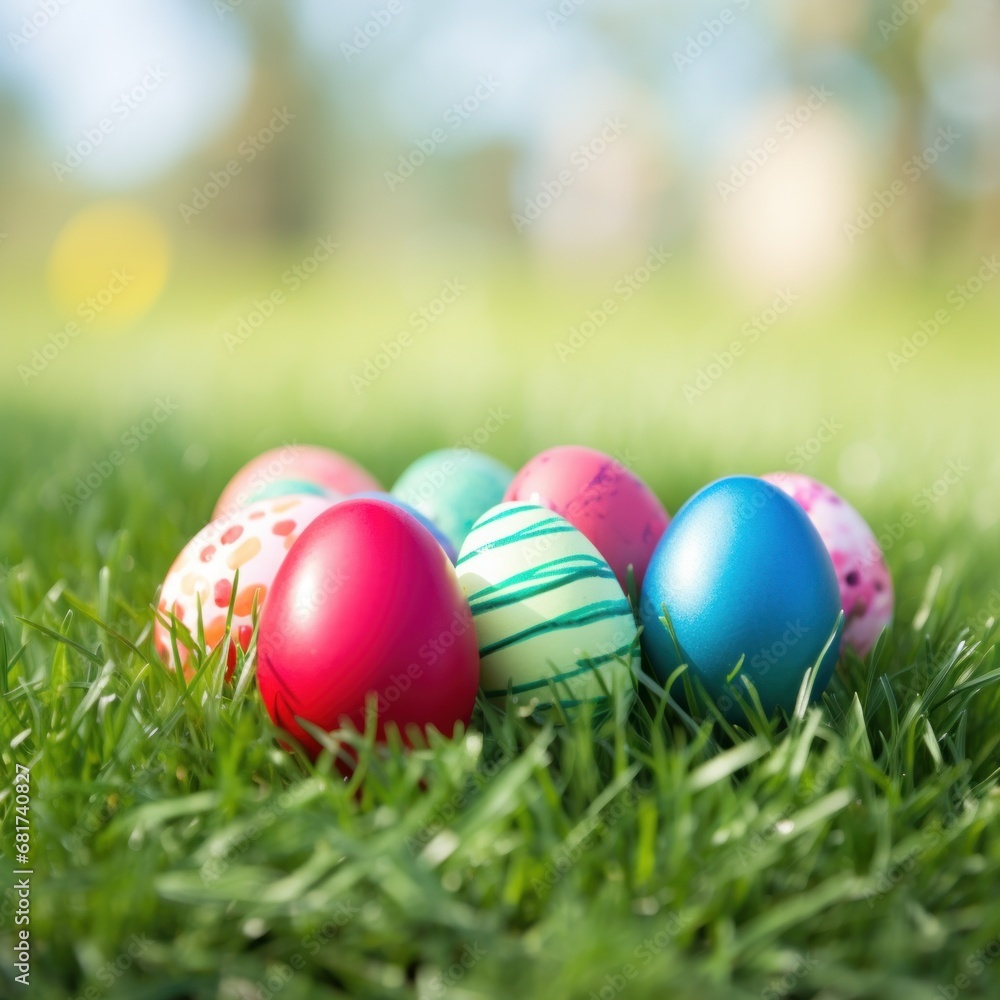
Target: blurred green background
561, 213
707, 238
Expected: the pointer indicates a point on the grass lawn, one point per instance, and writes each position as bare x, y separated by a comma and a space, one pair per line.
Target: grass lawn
178, 851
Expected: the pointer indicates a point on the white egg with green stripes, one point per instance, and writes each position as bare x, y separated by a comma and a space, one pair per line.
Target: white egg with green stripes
551, 619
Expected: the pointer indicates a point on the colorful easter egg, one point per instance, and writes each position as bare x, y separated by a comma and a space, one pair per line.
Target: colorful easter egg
443, 540
599, 496
255, 542
320, 466
293, 487
866, 593
367, 605
548, 611
746, 583
453, 487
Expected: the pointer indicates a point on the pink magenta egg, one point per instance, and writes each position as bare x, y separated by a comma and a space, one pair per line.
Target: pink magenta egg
600, 497
310, 463
367, 604
255, 541
865, 584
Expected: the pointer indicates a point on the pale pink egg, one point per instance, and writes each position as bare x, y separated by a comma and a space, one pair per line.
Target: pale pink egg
310, 463
865, 584
254, 541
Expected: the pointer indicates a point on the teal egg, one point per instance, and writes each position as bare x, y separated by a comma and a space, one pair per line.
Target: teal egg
453, 487
291, 487
549, 614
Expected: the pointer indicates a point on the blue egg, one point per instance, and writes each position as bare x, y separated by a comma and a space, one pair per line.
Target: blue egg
453, 487
439, 535
742, 572
288, 487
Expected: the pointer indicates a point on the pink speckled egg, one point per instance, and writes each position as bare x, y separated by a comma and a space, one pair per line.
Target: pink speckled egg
329, 469
865, 584
255, 541
600, 497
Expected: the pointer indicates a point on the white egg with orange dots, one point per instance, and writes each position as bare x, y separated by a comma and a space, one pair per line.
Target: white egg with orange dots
253, 541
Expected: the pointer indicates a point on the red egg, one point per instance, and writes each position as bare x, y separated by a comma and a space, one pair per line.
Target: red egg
600, 497
316, 465
367, 603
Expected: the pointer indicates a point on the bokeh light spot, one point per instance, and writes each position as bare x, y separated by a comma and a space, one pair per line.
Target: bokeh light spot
109, 264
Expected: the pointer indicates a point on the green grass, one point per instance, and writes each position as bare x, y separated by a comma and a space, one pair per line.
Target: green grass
853, 848
852, 851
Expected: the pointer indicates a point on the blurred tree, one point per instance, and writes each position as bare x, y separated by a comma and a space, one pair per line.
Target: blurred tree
292, 187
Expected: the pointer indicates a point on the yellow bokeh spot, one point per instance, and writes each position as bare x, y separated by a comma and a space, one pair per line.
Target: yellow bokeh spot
109, 264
